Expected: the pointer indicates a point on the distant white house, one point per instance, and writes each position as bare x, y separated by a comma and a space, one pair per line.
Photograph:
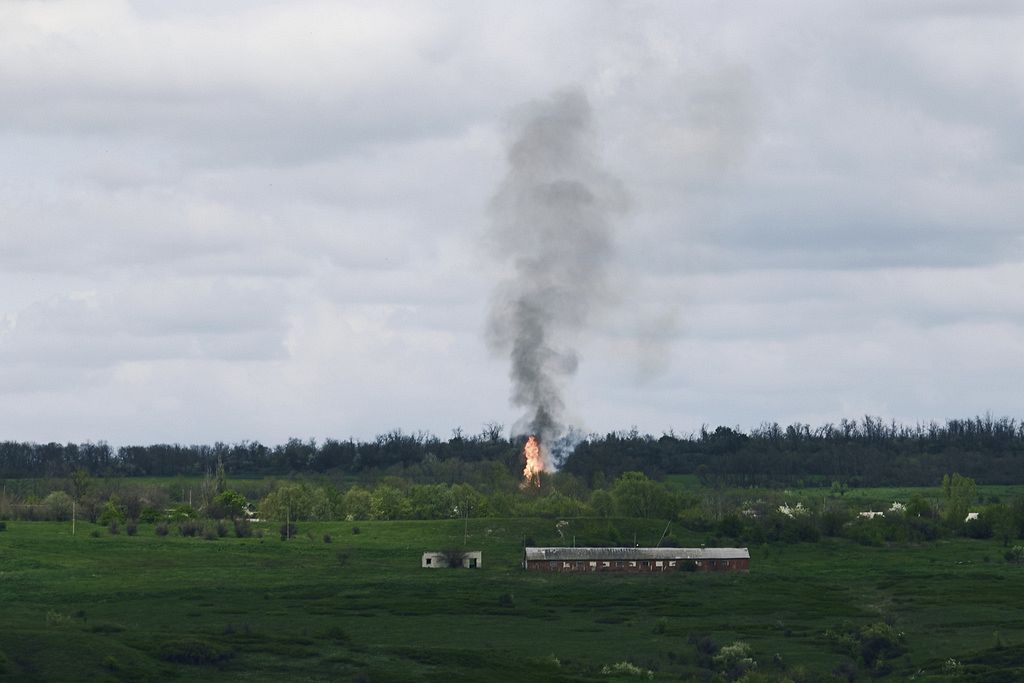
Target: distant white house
470, 559
870, 514
970, 516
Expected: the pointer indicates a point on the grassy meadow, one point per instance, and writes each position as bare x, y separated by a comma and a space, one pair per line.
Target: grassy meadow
97, 606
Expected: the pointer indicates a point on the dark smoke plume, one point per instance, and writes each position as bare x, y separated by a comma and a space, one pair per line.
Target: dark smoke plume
551, 224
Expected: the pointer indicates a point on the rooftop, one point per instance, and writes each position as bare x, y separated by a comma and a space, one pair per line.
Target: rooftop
637, 553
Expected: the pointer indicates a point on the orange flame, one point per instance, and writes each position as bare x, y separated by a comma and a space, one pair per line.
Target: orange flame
534, 462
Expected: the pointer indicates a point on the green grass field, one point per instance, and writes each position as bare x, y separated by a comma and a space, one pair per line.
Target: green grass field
360, 607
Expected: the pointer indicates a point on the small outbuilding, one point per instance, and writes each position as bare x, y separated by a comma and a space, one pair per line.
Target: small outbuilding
636, 559
452, 559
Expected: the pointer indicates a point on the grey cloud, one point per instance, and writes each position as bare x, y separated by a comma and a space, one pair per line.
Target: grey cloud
282, 204
174, 320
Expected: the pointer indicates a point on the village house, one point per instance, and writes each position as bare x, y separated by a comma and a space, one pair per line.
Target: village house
470, 559
636, 559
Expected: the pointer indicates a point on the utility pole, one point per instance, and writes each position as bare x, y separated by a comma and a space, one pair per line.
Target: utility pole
663, 533
73, 515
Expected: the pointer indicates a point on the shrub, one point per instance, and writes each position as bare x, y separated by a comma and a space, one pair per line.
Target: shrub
131, 528
301, 502
113, 527
222, 529
183, 511
55, 618
979, 528
878, 641
356, 530
190, 528
327, 538
111, 512
149, 515
59, 505
626, 668
506, 600
706, 647
228, 504
735, 658
161, 529
210, 535
288, 531
3, 526
243, 529
191, 651
95, 533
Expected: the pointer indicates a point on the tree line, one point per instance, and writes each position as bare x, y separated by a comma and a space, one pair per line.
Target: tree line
865, 452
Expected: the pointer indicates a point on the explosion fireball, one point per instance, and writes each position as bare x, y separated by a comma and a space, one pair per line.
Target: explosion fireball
534, 462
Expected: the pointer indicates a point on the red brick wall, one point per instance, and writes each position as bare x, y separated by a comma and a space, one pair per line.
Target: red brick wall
640, 565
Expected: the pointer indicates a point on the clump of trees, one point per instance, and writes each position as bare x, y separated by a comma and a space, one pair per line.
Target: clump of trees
865, 452
588, 486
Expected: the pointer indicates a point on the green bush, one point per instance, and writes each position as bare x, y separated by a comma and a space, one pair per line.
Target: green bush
879, 641
183, 511
111, 512
150, 515
301, 502
59, 506
190, 528
230, 504
979, 528
243, 529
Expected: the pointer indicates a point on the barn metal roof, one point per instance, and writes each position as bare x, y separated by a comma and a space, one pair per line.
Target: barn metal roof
568, 554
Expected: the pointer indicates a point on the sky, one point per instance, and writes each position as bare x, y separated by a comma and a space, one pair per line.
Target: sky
243, 220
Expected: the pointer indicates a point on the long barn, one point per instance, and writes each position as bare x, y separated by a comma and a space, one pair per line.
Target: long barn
636, 559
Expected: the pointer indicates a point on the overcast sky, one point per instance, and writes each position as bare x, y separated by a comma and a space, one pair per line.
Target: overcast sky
241, 220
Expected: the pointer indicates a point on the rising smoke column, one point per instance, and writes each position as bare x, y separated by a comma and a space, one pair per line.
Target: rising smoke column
551, 224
